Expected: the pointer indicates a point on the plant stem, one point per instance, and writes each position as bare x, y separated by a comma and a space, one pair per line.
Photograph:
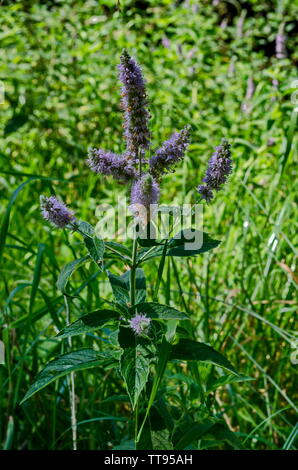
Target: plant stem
133, 272
71, 386
160, 271
161, 367
133, 301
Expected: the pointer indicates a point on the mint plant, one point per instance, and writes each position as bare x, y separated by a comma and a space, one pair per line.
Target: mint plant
148, 337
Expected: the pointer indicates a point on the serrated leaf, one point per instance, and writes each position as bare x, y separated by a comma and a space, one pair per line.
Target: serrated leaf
190, 242
96, 248
85, 228
134, 367
90, 322
180, 247
121, 286
161, 440
93, 243
120, 251
163, 312
66, 363
188, 350
147, 236
67, 271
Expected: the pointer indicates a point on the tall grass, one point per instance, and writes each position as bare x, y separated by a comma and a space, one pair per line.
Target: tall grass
58, 66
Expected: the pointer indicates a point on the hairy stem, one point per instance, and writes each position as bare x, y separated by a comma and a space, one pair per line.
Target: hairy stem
133, 301
133, 272
71, 387
160, 271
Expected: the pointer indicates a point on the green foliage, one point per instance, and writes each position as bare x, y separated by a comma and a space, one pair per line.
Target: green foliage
161, 312
90, 322
70, 362
188, 350
59, 67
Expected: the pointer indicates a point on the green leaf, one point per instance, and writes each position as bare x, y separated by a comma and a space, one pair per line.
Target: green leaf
188, 350
120, 251
227, 379
90, 322
148, 253
134, 367
161, 440
85, 228
96, 248
190, 242
66, 363
147, 236
67, 271
195, 433
126, 337
121, 286
222, 433
94, 244
161, 312
178, 246
17, 121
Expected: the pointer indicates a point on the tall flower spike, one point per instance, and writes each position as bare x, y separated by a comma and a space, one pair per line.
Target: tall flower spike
55, 211
280, 43
135, 104
108, 163
219, 168
144, 192
171, 152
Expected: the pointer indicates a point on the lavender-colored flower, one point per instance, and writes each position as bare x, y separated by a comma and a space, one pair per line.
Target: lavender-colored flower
55, 211
144, 193
134, 103
109, 163
280, 44
205, 192
219, 168
171, 152
250, 89
166, 42
139, 323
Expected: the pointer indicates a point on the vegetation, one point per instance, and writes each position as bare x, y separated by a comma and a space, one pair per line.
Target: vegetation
214, 65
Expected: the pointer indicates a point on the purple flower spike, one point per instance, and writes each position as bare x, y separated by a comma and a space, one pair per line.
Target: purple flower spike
171, 152
139, 323
134, 103
108, 163
205, 192
219, 167
280, 43
55, 211
144, 192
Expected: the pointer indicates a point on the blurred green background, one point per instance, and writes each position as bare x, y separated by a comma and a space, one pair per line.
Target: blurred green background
213, 65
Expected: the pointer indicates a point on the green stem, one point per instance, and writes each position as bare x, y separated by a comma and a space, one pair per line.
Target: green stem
161, 367
160, 271
71, 387
133, 272
136, 421
133, 301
